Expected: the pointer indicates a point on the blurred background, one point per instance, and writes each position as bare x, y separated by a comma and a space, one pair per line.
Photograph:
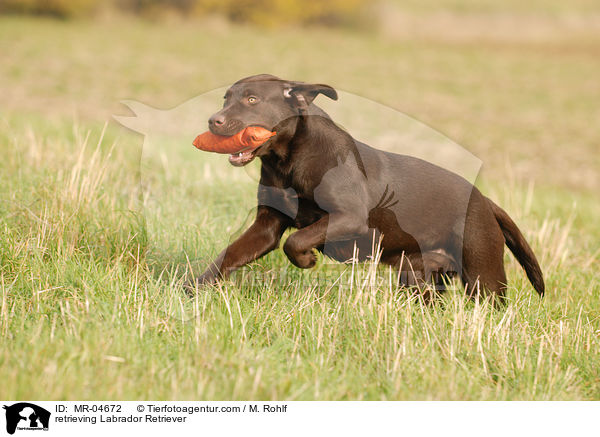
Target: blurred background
514, 83
510, 81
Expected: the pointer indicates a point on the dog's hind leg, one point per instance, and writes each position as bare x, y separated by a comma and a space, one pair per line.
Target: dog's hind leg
483, 265
484, 280
428, 273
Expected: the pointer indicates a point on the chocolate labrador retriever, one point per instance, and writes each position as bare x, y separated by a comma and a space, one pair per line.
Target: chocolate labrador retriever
341, 195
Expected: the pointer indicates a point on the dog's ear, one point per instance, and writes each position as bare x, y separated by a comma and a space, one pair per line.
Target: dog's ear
302, 94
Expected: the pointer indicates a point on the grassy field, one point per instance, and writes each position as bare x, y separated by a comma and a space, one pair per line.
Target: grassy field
92, 260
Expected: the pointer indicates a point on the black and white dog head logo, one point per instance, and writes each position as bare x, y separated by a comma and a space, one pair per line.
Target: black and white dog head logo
26, 416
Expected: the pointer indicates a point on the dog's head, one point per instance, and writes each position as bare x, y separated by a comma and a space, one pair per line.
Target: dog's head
266, 101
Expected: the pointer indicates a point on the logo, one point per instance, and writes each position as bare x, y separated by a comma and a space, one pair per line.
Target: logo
26, 417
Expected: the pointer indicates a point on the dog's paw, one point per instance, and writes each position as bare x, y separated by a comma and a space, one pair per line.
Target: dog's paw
191, 286
305, 260
293, 249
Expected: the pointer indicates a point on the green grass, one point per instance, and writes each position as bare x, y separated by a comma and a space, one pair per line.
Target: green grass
92, 261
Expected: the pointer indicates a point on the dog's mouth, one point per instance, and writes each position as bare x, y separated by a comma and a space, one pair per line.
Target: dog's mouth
245, 144
243, 157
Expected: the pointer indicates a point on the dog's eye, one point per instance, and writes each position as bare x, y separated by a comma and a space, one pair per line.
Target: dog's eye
252, 99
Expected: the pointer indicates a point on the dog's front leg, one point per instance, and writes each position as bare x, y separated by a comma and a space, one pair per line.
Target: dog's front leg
333, 227
260, 238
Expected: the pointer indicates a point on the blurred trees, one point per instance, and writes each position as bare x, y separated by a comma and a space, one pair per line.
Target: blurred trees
270, 13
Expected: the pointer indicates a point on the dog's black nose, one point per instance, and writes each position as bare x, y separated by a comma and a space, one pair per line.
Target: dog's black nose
216, 120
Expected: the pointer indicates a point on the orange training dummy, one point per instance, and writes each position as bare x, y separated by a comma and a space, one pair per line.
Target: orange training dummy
248, 138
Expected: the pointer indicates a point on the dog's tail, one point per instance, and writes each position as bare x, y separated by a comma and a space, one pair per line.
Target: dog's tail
520, 248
